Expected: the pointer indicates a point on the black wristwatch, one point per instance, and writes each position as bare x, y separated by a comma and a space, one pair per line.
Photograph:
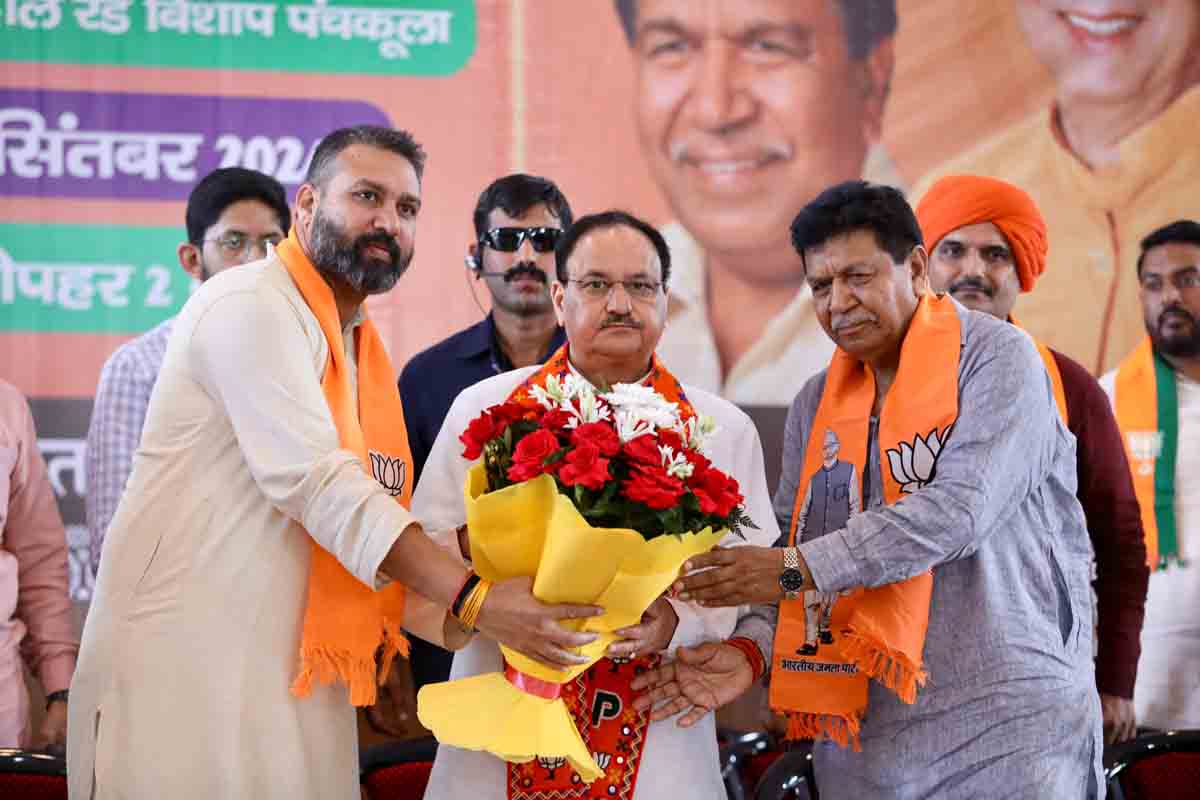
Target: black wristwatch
791, 580
56, 697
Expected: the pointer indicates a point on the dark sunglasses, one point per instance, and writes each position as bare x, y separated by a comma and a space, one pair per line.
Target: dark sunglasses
509, 240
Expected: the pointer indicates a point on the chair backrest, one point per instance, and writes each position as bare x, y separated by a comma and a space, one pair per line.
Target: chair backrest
32, 776
790, 776
1160, 766
405, 781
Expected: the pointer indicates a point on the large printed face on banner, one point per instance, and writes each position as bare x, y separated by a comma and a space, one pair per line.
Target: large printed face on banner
717, 120
1131, 50
745, 111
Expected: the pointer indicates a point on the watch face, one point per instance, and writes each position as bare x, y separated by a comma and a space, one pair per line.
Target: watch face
791, 580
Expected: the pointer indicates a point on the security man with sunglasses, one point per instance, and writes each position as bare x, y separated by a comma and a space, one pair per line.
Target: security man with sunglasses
518, 220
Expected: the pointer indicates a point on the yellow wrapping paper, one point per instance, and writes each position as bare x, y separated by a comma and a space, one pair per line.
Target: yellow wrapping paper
531, 530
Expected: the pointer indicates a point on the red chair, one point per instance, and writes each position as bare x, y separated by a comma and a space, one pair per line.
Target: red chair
1157, 766
397, 770
398, 781
32, 776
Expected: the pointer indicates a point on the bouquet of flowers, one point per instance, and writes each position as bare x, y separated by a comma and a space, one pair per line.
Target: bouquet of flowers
626, 458
600, 496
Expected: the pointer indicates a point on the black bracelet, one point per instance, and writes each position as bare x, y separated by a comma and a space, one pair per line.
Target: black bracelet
463, 594
56, 697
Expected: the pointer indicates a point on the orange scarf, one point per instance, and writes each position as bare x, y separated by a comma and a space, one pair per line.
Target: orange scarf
600, 699
827, 647
345, 621
1147, 412
559, 365
1060, 394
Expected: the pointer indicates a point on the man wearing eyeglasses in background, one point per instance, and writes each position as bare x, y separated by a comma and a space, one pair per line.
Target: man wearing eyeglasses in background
518, 220
232, 215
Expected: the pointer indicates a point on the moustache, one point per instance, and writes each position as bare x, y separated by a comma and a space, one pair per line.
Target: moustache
620, 322
972, 284
1182, 313
525, 269
377, 239
838, 323
682, 152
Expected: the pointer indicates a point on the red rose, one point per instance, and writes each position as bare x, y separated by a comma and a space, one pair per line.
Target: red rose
700, 465
584, 465
601, 435
530, 455
555, 419
717, 492
506, 414
643, 450
653, 486
479, 432
671, 439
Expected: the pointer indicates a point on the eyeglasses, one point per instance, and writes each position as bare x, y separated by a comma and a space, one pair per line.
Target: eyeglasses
238, 244
601, 288
509, 240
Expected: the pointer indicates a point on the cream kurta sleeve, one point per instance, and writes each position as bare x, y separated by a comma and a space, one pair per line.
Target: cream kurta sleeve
254, 355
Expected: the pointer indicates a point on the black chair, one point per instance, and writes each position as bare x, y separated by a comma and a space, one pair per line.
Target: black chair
790, 777
1154, 766
36, 776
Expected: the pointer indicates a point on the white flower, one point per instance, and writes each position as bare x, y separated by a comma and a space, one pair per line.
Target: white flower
586, 408
912, 464
551, 395
676, 464
630, 428
639, 409
698, 432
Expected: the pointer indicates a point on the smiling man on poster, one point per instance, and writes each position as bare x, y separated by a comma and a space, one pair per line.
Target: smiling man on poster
745, 111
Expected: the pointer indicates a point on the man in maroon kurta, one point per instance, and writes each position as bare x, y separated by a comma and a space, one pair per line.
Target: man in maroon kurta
987, 243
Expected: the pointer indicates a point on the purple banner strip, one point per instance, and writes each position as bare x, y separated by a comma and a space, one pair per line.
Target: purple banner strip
156, 146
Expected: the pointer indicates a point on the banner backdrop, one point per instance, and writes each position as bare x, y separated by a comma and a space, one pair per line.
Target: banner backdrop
111, 110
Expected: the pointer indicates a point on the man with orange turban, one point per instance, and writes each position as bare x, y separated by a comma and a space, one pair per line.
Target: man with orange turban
987, 243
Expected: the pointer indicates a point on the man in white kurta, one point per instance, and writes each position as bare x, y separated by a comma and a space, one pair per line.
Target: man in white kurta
193, 638
1167, 692
200, 612
675, 759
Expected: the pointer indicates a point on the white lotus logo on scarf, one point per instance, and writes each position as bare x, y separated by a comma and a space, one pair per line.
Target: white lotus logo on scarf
1145, 447
912, 464
390, 472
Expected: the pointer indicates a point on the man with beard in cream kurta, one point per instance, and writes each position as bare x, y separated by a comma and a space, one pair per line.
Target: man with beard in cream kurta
235, 623
610, 295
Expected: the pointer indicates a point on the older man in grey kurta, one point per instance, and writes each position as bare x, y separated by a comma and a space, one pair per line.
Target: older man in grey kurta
1009, 648
1009, 708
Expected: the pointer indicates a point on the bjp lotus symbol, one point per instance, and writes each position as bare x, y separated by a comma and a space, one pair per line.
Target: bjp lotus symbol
390, 472
912, 464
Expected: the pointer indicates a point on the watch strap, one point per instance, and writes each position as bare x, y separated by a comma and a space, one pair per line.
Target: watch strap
791, 558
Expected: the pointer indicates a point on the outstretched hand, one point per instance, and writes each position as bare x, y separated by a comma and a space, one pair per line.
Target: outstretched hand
733, 576
700, 679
